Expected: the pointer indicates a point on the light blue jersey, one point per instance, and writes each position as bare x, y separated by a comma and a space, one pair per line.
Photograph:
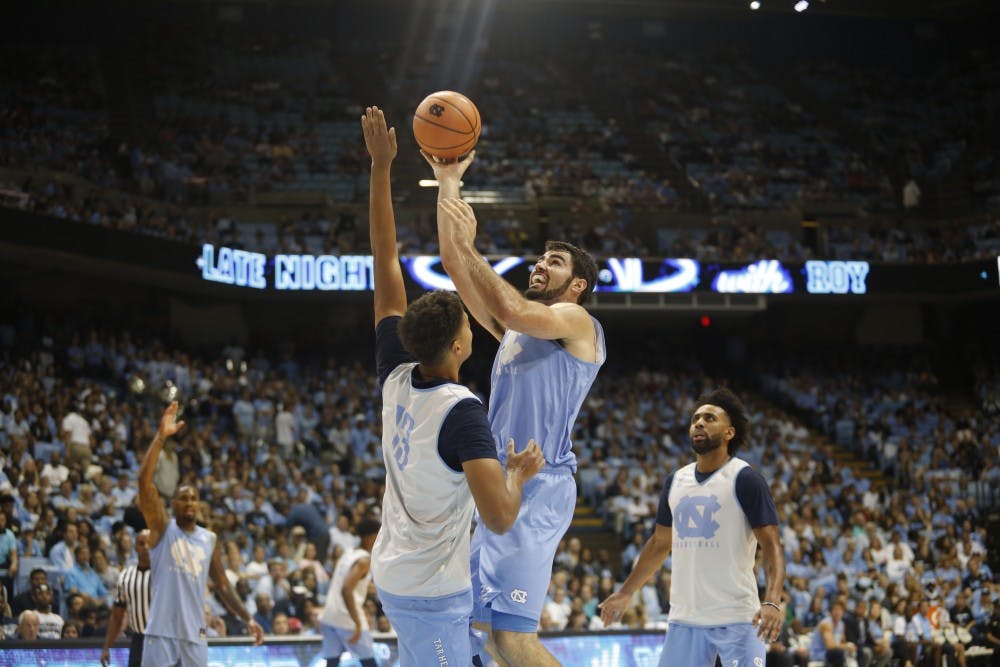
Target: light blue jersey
537, 388
178, 578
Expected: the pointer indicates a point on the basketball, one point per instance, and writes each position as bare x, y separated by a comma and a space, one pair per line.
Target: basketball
446, 125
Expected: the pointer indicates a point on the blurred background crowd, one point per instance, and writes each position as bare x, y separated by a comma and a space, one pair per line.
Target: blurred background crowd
240, 129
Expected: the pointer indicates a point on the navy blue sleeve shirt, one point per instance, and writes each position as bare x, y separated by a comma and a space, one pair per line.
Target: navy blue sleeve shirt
752, 492
465, 433
389, 350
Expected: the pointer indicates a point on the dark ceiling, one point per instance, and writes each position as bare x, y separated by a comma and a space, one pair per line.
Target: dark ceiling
872, 8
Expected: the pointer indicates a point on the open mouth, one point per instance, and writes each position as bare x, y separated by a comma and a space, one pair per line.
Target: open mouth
537, 280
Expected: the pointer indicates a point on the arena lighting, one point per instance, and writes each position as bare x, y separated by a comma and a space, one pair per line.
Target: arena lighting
801, 6
432, 183
755, 5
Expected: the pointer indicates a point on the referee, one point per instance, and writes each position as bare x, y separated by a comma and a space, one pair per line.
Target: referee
131, 601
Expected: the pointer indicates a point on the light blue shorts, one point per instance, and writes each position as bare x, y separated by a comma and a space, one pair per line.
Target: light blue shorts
432, 632
169, 652
698, 646
335, 642
511, 572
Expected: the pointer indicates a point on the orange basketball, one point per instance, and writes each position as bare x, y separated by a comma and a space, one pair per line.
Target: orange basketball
447, 124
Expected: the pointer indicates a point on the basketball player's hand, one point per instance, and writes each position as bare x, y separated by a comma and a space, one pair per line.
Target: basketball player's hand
613, 607
768, 622
380, 142
526, 463
356, 635
105, 658
254, 629
168, 423
449, 170
457, 217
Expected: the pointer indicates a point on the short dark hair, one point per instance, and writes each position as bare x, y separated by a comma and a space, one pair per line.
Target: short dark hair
430, 324
582, 263
724, 398
368, 527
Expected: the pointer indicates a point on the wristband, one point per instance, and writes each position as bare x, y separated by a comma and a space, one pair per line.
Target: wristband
771, 604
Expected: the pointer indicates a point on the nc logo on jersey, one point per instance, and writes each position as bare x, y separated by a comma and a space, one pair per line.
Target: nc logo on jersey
188, 558
693, 517
401, 440
509, 352
519, 596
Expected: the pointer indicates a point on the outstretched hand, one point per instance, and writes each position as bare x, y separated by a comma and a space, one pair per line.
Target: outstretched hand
449, 171
528, 463
457, 217
168, 422
380, 141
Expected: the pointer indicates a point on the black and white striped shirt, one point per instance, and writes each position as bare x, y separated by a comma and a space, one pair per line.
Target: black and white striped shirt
132, 594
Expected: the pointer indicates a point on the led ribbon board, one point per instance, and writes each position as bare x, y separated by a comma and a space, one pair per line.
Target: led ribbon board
355, 273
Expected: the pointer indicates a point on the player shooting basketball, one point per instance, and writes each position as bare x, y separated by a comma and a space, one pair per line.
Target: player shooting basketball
550, 351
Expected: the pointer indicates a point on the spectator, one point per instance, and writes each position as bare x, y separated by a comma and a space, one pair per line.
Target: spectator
54, 471
8, 557
276, 585
28, 626
308, 560
265, 611
84, 580
558, 610
991, 633
305, 514
63, 553
50, 623
78, 438
911, 195
7, 505
829, 643
280, 625
26, 600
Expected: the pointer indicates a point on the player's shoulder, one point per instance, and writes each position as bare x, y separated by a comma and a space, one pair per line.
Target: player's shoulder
570, 309
566, 305
463, 397
583, 323
206, 534
686, 469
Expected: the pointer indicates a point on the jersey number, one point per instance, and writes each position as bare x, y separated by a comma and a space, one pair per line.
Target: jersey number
401, 441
